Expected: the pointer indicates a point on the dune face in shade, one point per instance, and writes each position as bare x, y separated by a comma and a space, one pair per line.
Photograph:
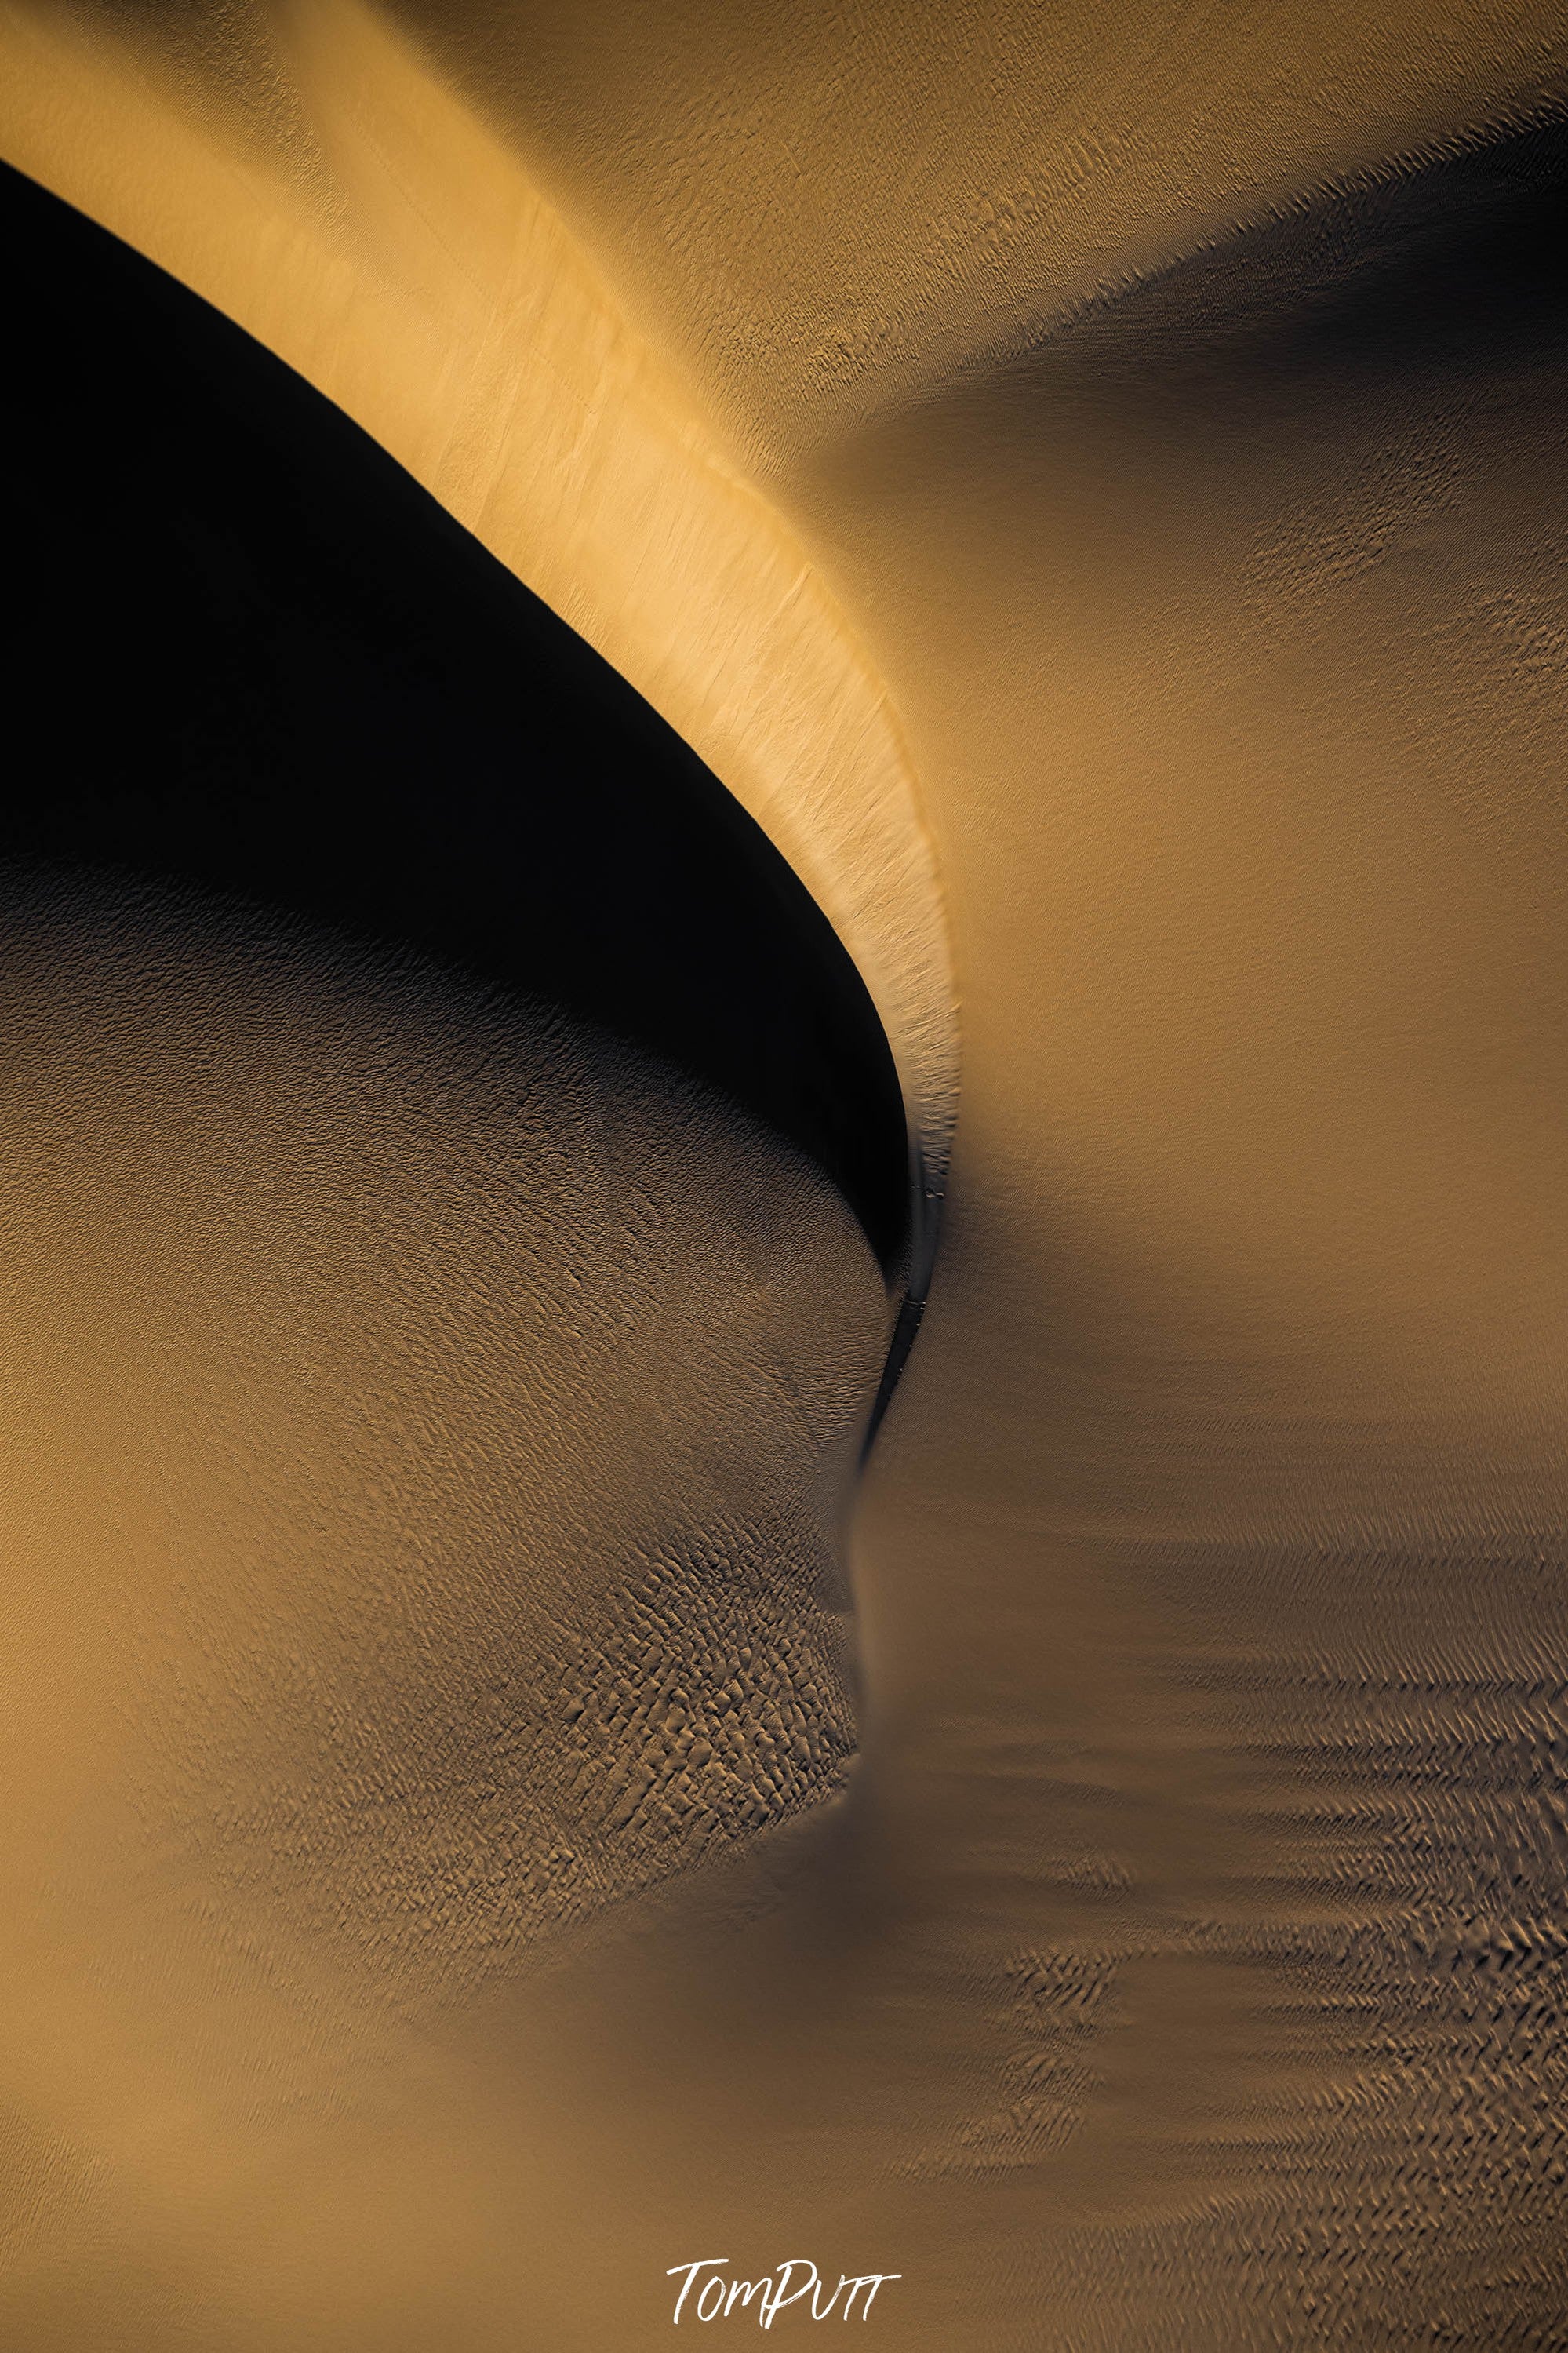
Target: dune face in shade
307, 686
429, 1425
453, 1178
394, 1373
312, 177
1175, 406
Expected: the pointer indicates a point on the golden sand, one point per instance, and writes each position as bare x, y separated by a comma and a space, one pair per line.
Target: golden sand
1112, 461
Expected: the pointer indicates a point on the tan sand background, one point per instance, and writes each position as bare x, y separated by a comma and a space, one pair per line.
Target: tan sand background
1188, 1966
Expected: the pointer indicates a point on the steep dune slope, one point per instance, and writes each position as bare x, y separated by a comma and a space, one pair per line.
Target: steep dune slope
1173, 401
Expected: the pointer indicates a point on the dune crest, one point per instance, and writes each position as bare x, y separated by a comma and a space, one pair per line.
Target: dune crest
377, 238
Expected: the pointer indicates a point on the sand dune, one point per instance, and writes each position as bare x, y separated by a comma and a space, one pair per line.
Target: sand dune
1168, 413
308, 174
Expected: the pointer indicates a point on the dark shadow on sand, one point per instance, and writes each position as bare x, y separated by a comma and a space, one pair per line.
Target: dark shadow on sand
248, 651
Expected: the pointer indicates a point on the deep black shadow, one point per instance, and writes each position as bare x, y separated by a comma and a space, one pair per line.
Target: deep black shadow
248, 651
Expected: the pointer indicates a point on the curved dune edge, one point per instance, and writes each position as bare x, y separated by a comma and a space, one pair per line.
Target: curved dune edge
408, 269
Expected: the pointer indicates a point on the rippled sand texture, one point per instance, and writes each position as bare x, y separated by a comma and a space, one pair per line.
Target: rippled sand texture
1173, 405
427, 1427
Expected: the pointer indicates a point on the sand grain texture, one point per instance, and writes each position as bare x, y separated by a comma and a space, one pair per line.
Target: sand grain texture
1167, 407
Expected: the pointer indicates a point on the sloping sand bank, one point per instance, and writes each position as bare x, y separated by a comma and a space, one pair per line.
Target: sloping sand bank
1174, 403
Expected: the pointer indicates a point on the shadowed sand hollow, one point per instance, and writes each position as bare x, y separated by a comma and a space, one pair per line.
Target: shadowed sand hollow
1172, 410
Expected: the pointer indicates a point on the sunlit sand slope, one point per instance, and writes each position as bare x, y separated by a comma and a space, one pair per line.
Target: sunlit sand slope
1175, 402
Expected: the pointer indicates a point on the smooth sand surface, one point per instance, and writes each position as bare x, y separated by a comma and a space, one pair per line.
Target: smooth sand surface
1171, 405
